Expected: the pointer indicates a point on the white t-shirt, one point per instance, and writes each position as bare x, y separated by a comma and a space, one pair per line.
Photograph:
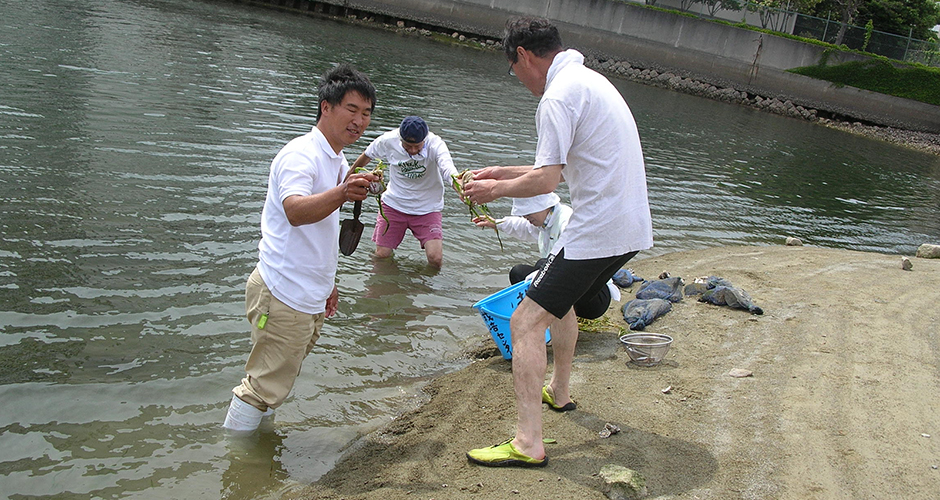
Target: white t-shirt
584, 124
298, 264
546, 236
415, 184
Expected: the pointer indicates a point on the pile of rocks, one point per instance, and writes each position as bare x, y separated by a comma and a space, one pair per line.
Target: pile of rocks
695, 87
923, 141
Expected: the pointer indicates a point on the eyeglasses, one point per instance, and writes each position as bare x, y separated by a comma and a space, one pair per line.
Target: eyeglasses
511, 72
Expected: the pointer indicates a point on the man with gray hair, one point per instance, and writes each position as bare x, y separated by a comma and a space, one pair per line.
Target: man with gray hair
587, 137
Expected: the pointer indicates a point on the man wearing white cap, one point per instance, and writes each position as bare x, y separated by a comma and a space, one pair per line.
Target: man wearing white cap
542, 219
420, 166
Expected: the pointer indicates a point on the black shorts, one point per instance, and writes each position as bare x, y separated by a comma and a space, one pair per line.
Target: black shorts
562, 282
587, 307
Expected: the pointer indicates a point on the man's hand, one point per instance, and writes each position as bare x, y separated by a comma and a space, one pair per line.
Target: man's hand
332, 302
356, 186
484, 222
479, 191
496, 173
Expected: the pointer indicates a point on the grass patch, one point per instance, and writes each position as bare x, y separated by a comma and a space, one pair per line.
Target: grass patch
901, 79
600, 325
919, 83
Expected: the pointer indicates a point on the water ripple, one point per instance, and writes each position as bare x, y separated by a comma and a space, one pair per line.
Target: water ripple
134, 167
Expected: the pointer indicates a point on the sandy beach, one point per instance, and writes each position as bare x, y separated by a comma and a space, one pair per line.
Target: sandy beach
842, 401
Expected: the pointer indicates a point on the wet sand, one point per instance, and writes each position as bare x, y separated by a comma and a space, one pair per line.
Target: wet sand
842, 402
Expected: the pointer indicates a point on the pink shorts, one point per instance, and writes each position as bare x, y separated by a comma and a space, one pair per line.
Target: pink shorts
424, 227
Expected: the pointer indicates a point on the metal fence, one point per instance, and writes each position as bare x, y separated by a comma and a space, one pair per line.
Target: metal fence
901, 48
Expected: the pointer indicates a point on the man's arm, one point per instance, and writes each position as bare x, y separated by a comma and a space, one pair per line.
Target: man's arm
360, 162
445, 164
533, 182
501, 173
313, 208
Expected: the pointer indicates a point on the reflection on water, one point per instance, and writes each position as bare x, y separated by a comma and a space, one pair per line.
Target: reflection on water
136, 137
723, 174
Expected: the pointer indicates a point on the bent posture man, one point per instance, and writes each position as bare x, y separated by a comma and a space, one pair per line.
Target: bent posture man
419, 167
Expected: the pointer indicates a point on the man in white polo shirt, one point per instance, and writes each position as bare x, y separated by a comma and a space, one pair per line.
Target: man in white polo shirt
292, 289
588, 138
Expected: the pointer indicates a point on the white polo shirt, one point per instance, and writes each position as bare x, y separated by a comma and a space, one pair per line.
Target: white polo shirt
584, 124
298, 264
415, 183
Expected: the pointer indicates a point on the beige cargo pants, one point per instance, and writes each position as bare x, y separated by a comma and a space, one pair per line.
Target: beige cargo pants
281, 337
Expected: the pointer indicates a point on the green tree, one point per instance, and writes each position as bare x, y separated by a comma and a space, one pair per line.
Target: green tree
902, 17
869, 28
847, 10
713, 6
774, 14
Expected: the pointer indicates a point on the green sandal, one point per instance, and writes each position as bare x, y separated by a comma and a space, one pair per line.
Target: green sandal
504, 455
549, 399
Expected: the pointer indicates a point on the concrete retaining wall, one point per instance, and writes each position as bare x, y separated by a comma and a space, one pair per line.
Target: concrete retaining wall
719, 54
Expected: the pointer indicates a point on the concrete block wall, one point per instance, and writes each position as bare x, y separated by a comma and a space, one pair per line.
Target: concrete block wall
626, 22
719, 54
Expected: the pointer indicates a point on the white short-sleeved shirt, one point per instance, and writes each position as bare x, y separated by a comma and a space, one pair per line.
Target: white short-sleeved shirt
415, 184
298, 264
584, 124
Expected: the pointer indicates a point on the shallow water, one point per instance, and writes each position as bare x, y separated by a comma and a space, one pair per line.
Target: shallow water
136, 138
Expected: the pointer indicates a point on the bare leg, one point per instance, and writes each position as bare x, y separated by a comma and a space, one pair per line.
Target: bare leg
528, 324
434, 249
564, 339
383, 252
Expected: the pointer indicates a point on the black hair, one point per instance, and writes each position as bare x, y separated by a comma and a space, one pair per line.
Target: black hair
535, 34
343, 78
